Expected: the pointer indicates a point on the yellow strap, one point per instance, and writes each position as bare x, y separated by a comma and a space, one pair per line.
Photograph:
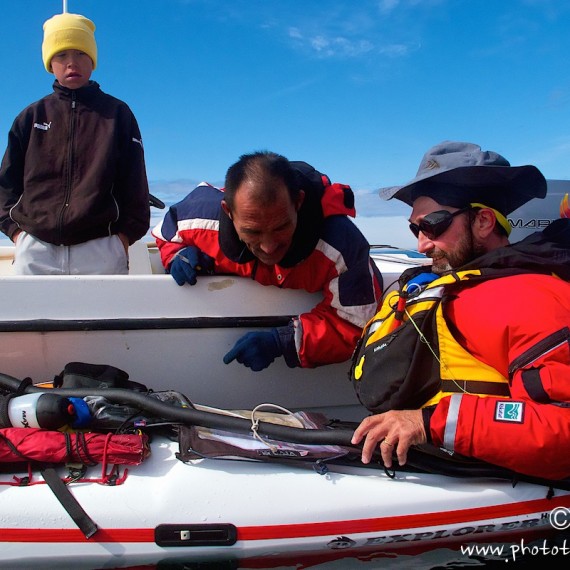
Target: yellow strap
500, 218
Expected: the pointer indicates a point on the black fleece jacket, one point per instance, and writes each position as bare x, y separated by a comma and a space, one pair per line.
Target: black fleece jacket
74, 169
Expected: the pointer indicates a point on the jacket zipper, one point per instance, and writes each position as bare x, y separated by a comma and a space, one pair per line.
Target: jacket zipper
69, 168
541, 348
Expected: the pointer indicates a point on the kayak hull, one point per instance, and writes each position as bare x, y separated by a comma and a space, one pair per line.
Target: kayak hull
225, 509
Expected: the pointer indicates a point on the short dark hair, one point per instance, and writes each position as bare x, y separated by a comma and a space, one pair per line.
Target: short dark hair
262, 167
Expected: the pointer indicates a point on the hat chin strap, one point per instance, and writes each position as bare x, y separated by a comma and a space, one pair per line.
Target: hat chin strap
500, 218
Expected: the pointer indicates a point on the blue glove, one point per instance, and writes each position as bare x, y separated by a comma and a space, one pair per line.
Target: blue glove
185, 265
256, 350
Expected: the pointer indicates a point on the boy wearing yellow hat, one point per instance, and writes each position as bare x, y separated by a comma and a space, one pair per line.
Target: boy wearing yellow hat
73, 186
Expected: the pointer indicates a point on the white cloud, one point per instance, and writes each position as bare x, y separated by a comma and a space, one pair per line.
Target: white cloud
363, 29
343, 47
398, 50
386, 6
295, 33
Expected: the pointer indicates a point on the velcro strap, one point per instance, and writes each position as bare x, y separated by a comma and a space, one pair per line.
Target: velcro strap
532, 383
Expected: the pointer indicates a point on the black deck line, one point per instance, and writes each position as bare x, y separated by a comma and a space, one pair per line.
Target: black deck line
60, 325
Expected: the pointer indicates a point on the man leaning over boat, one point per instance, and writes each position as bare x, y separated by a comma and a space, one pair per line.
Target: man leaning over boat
281, 223
485, 337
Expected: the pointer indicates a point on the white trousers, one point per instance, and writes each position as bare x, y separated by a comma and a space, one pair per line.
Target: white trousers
101, 256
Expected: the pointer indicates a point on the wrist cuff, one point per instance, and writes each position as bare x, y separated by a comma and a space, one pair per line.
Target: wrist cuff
426, 416
287, 342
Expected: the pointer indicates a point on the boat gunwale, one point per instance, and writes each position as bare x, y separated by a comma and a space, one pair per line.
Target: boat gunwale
145, 323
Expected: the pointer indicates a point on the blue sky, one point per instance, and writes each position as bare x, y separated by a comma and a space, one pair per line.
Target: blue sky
358, 88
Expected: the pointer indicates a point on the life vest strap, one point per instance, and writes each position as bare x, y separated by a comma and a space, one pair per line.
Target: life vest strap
479, 387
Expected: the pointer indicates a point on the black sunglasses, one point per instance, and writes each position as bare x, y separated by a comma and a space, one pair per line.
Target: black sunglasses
436, 223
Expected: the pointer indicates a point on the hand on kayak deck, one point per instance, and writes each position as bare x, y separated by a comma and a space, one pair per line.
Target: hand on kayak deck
187, 263
256, 350
393, 431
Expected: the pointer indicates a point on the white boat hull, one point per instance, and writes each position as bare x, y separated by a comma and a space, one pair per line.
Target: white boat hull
262, 511
168, 337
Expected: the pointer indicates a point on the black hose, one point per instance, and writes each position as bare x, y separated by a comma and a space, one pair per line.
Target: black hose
192, 416
428, 462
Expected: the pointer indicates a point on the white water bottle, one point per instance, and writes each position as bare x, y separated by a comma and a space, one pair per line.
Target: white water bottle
40, 410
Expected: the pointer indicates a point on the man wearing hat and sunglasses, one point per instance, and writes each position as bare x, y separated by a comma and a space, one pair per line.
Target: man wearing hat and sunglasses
487, 376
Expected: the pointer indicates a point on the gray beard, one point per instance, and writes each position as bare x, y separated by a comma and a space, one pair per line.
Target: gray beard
466, 250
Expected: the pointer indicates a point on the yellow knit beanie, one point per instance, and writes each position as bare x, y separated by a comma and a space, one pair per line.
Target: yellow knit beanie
68, 31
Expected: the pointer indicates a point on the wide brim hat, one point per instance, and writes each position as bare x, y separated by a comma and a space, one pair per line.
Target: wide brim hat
458, 173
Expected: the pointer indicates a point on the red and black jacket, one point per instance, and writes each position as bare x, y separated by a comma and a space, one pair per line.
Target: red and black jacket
328, 253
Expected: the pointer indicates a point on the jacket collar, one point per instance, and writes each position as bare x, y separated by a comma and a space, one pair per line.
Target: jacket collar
84, 93
546, 251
